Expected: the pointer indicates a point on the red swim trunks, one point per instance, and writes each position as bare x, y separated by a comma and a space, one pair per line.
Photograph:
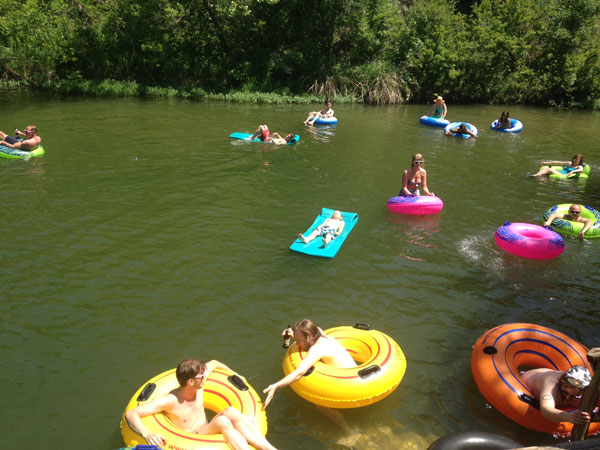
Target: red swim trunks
266, 135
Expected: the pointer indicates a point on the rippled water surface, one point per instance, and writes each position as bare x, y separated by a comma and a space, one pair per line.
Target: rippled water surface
145, 236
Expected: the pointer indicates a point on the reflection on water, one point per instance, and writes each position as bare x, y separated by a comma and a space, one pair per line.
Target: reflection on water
414, 233
126, 251
322, 133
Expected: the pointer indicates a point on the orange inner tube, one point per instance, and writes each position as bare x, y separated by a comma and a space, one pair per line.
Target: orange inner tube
501, 351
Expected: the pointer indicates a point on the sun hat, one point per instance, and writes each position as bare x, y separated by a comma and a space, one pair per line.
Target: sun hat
439, 97
578, 376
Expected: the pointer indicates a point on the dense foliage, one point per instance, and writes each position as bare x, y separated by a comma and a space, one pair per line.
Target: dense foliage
380, 51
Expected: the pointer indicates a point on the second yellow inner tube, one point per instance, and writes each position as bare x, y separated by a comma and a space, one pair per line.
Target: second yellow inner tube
381, 367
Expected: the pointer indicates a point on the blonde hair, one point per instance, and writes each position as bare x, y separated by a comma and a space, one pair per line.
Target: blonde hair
417, 157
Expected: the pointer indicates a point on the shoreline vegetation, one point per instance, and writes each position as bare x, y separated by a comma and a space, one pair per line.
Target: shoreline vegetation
114, 88
528, 52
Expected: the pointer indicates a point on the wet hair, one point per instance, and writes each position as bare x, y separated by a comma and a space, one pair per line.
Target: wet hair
189, 368
577, 160
308, 329
32, 128
462, 128
289, 137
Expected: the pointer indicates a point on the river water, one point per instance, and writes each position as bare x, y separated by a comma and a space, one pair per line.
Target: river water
145, 235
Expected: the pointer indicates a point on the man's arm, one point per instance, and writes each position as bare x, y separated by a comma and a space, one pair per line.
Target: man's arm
134, 418
214, 364
549, 410
587, 224
551, 219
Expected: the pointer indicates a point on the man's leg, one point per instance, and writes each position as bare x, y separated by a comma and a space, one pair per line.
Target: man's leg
223, 425
247, 429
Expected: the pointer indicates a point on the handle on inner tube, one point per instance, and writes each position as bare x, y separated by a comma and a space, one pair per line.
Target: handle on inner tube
146, 392
364, 373
238, 382
309, 371
362, 326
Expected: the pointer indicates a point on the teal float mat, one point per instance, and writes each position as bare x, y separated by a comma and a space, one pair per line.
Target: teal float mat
246, 136
313, 247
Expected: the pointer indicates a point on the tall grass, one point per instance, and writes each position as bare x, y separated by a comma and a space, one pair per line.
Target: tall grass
377, 89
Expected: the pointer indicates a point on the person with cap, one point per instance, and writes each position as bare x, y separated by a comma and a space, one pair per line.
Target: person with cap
438, 109
558, 390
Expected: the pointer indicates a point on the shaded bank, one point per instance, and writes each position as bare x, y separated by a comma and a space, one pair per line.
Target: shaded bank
380, 51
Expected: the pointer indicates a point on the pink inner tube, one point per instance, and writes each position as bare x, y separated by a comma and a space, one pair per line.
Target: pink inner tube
529, 241
416, 205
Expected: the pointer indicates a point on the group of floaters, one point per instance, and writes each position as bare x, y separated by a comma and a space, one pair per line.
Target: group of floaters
437, 118
521, 239
340, 368
377, 367
544, 242
263, 134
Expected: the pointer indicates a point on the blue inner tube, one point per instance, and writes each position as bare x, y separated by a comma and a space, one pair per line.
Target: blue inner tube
326, 121
433, 121
471, 128
516, 126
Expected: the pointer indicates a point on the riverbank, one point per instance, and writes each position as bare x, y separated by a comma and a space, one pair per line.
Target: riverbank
114, 88
133, 89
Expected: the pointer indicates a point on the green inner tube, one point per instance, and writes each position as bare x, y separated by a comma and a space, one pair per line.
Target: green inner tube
564, 176
570, 228
13, 153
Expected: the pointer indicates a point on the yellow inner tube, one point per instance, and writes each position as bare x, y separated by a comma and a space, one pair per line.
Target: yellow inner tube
381, 367
221, 390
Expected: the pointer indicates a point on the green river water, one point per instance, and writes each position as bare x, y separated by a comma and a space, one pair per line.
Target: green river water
145, 235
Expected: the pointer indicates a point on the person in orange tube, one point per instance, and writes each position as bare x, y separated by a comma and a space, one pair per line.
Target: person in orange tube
558, 390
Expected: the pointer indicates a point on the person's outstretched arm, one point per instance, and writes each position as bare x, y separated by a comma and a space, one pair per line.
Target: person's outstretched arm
312, 357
